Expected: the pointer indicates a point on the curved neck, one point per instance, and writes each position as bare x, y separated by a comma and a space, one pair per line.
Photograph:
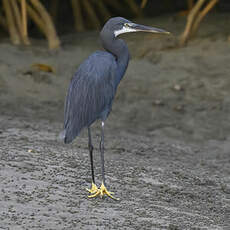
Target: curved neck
120, 50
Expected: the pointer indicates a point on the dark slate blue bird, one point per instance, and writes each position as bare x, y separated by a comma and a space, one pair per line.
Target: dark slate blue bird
93, 87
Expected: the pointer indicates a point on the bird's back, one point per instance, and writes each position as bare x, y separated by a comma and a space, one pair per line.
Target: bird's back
90, 93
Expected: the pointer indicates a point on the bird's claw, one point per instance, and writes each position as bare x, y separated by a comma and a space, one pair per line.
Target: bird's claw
93, 189
101, 192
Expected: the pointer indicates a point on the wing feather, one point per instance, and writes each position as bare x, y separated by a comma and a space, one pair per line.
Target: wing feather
90, 94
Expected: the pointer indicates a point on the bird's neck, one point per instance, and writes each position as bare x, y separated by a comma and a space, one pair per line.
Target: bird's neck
120, 50
122, 59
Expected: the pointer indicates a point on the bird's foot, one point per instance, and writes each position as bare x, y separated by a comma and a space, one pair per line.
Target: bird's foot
94, 188
103, 191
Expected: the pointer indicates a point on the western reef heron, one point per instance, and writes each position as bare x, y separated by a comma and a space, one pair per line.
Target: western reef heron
93, 87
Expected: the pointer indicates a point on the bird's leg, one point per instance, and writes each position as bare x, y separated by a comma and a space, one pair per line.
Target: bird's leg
94, 188
102, 153
102, 190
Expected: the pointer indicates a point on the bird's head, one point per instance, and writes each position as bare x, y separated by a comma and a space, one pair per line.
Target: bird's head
118, 25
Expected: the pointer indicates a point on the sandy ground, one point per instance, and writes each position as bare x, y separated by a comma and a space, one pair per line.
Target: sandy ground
167, 138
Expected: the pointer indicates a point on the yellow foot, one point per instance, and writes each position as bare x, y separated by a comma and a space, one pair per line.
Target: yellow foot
93, 189
103, 191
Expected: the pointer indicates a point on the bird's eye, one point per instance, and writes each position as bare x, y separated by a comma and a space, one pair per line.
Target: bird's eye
126, 24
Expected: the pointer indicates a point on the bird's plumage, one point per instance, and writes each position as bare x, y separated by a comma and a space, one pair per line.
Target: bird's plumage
93, 87
90, 93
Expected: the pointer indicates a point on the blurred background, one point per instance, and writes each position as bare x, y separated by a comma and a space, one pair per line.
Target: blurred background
18, 18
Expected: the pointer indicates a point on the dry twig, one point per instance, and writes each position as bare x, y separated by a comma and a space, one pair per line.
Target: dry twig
24, 31
14, 36
36, 18
190, 20
201, 15
78, 20
91, 13
50, 31
19, 20
143, 4
16, 15
190, 4
102, 9
194, 19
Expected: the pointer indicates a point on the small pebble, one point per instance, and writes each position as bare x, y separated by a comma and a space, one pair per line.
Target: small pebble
158, 102
177, 87
179, 108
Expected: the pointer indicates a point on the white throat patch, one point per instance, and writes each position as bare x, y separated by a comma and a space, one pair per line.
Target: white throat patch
124, 30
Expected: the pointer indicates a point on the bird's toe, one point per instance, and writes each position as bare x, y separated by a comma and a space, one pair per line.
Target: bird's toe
102, 191
94, 189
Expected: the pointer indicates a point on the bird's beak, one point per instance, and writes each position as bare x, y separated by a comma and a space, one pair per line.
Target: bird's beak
142, 28
132, 27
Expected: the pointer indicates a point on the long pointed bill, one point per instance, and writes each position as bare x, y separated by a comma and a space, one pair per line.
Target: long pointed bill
132, 27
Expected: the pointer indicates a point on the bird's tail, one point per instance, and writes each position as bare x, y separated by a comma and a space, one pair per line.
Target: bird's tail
62, 136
